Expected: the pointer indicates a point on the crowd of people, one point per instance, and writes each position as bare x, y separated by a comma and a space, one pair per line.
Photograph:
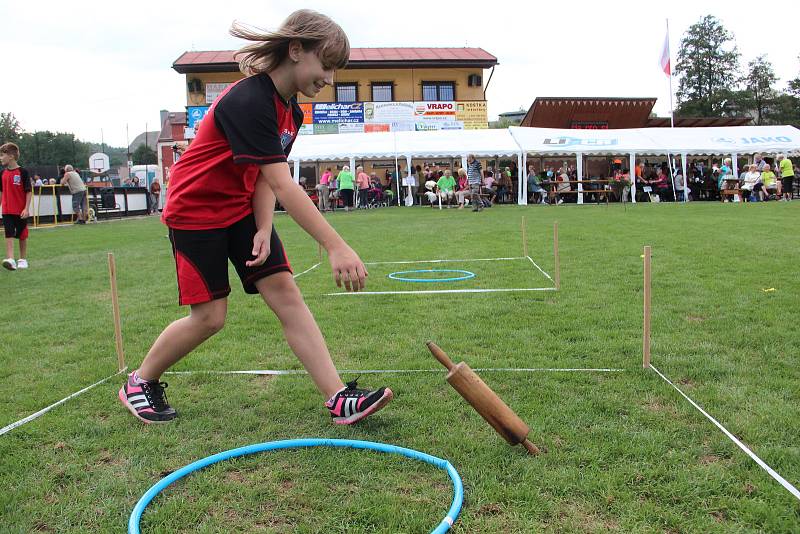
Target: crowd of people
440, 185
758, 181
436, 185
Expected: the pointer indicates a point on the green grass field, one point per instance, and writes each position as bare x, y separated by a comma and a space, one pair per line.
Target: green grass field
625, 452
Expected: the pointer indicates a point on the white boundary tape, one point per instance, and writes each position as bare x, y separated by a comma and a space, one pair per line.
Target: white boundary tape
284, 372
540, 269
433, 291
440, 261
782, 481
307, 270
441, 291
43, 411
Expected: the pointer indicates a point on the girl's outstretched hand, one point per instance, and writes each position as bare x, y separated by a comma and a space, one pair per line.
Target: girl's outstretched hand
347, 267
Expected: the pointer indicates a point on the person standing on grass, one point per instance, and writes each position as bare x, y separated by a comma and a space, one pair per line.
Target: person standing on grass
362, 180
155, 196
787, 176
77, 189
323, 191
15, 198
474, 178
346, 187
220, 205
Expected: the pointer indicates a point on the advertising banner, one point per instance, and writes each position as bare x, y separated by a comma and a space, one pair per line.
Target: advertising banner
435, 111
326, 129
308, 112
194, 114
338, 112
213, 90
351, 127
473, 114
388, 112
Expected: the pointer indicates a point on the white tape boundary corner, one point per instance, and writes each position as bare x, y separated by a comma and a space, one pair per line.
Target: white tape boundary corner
442, 291
43, 411
774, 474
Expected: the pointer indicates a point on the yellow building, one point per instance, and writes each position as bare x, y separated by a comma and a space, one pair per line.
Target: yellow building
381, 89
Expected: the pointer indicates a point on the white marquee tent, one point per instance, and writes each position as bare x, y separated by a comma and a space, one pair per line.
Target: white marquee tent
523, 142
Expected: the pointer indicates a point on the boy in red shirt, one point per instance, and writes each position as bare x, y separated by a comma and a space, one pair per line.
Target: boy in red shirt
220, 205
15, 197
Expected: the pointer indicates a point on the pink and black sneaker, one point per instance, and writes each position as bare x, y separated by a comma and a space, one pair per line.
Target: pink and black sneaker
351, 405
147, 400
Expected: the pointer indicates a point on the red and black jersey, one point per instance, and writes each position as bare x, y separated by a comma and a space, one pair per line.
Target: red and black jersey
248, 125
14, 185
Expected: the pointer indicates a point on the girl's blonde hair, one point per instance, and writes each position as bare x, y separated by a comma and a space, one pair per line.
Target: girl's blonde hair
315, 31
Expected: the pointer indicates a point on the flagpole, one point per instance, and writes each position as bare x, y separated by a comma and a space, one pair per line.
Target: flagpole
671, 106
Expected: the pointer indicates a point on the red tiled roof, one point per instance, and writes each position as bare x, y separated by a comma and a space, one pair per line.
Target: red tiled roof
221, 60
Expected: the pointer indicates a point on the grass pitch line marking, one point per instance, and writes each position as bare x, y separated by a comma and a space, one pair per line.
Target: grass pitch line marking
783, 482
307, 270
43, 411
433, 291
540, 269
440, 261
284, 372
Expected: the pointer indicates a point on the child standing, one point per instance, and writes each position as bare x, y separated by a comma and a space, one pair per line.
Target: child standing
221, 198
15, 197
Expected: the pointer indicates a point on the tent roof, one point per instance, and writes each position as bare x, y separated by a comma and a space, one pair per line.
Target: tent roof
548, 141
690, 141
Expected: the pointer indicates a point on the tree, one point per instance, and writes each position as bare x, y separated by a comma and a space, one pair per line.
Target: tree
708, 70
784, 109
144, 155
759, 84
10, 128
794, 85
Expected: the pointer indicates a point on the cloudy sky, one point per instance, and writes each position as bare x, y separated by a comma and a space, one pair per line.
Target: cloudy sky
88, 66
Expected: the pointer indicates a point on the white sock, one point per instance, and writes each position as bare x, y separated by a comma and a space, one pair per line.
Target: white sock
330, 401
136, 379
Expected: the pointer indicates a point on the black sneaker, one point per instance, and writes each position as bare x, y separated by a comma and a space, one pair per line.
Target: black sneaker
147, 401
352, 405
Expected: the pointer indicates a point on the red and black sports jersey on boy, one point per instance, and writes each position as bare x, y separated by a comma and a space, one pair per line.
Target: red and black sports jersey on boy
14, 185
248, 125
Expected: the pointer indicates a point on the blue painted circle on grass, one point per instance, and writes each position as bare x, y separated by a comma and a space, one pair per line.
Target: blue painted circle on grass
444, 526
465, 275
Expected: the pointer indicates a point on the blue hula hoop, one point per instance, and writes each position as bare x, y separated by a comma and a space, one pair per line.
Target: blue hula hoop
444, 526
466, 275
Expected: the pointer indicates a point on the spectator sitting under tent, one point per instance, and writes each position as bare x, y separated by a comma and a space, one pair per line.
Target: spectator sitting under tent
535, 186
445, 187
463, 188
772, 187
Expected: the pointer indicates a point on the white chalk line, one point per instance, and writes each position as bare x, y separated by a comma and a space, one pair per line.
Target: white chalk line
439, 261
307, 270
540, 269
43, 411
433, 291
782, 481
284, 372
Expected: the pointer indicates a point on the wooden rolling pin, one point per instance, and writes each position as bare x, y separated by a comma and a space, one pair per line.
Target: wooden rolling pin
485, 401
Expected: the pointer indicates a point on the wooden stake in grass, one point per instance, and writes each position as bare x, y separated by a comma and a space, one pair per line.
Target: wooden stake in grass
112, 271
646, 330
555, 254
524, 240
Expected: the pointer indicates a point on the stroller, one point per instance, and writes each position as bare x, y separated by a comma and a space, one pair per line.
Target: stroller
376, 197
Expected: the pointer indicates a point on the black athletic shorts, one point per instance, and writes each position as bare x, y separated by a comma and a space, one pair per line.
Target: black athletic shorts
15, 226
788, 184
201, 260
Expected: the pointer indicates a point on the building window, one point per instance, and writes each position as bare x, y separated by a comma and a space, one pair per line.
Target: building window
347, 92
438, 91
382, 91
